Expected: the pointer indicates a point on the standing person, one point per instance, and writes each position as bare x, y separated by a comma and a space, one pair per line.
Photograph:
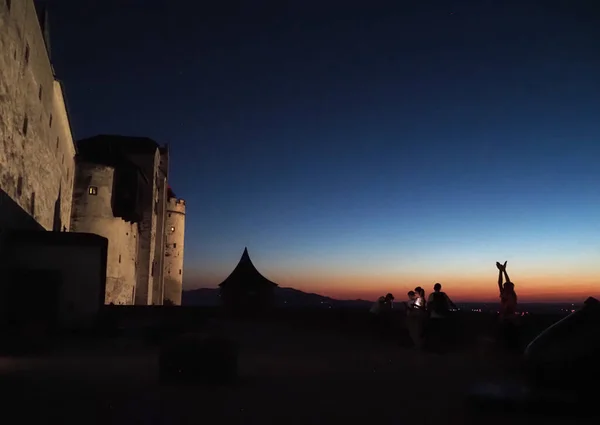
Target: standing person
405, 332
439, 303
411, 301
377, 305
508, 308
438, 329
376, 314
389, 302
388, 324
417, 318
420, 302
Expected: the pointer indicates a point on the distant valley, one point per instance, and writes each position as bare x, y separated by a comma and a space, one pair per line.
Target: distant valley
294, 298
284, 297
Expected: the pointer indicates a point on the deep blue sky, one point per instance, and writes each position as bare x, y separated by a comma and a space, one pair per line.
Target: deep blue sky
384, 140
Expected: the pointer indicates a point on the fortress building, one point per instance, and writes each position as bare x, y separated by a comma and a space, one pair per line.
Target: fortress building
121, 193
112, 186
175, 228
37, 154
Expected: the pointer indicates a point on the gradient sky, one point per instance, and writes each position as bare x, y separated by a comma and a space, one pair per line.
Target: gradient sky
357, 150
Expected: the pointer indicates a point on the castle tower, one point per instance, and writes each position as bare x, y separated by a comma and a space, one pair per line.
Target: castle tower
174, 240
93, 212
136, 199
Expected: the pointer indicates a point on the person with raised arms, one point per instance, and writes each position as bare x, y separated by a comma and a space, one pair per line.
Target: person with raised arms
508, 308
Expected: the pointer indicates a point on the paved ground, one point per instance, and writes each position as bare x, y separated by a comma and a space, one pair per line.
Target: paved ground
289, 376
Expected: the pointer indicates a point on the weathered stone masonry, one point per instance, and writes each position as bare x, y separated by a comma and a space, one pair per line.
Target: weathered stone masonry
36, 146
46, 184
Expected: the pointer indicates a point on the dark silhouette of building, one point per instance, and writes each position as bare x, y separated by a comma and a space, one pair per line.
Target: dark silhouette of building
246, 290
52, 279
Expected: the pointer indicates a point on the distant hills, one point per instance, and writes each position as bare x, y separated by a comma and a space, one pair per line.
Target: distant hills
284, 297
294, 298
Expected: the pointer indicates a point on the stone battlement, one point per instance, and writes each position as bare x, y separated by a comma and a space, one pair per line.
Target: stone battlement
176, 204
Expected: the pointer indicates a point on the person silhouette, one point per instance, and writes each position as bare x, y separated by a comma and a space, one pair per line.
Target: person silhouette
417, 319
438, 303
377, 315
378, 306
508, 308
420, 303
438, 329
388, 302
409, 304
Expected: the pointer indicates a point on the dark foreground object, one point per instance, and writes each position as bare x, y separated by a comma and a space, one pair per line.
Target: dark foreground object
520, 398
567, 353
194, 359
561, 371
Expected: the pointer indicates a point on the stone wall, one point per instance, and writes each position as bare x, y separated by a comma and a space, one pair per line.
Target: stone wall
147, 231
175, 237
159, 250
36, 146
65, 151
92, 213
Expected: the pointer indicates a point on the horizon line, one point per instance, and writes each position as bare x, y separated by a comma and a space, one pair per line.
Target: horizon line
486, 301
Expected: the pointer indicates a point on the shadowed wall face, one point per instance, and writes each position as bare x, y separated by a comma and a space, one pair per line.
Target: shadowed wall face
160, 206
79, 263
36, 146
174, 244
147, 266
93, 213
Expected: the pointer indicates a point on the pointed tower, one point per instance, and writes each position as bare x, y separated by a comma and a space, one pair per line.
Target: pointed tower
246, 289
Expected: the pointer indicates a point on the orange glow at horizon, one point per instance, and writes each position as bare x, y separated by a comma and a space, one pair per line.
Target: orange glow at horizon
531, 287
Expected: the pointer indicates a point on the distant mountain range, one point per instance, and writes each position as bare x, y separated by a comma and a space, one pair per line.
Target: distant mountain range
293, 298
284, 297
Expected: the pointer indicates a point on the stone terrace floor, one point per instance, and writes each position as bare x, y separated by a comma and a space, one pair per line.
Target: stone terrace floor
289, 376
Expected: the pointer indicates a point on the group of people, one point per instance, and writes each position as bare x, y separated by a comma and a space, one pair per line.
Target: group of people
427, 317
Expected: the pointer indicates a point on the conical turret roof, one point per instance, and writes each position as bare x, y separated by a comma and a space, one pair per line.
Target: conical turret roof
245, 273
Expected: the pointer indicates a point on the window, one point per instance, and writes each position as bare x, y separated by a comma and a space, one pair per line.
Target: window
8, 4
57, 143
169, 214
179, 271
172, 229
93, 190
41, 92
50, 122
174, 245
119, 258
25, 125
27, 54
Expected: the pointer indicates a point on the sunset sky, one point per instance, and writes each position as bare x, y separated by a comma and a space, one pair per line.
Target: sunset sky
356, 150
